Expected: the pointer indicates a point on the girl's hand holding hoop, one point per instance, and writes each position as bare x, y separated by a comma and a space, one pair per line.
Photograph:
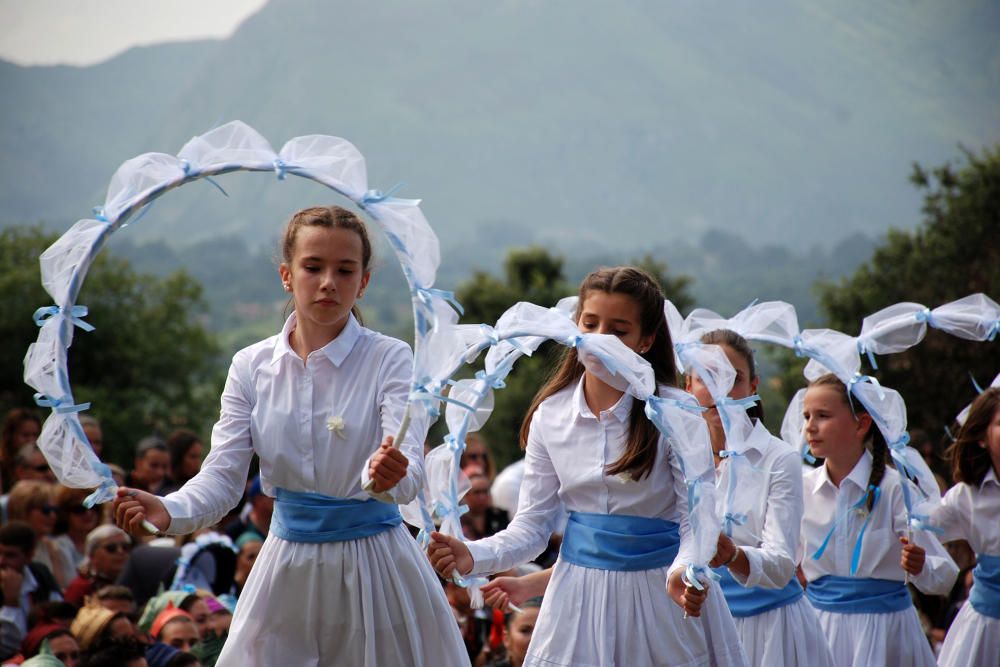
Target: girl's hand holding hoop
913, 557
448, 554
138, 511
387, 466
688, 598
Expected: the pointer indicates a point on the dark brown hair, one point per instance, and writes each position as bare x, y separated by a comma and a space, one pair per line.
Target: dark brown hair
874, 440
178, 444
643, 436
330, 217
740, 346
969, 460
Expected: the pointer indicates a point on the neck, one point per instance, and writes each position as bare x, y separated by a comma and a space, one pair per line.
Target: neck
840, 467
599, 395
306, 337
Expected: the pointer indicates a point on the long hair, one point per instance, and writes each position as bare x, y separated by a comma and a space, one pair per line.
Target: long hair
640, 449
969, 460
740, 346
874, 439
331, 217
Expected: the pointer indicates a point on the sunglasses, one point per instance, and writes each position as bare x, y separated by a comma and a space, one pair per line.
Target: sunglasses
80, 509
47, 509
476, 456
67, 655
115, 547
42, 467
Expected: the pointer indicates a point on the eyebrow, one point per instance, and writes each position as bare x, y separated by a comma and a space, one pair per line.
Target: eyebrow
618, 320
336, 261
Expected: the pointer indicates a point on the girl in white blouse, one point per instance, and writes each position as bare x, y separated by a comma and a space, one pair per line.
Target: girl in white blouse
592, 447
971, 511
856, 553
339, 580
760, 502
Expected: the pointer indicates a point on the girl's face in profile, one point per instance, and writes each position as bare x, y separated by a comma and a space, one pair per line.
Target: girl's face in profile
830, 428
615, 315
326, 275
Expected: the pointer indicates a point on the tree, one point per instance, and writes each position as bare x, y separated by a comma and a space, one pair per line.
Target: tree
955, 252
150, 365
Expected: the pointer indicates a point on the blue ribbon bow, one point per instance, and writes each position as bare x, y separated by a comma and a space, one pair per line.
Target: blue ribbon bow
57, 404
927, 316
864, 349
76, 313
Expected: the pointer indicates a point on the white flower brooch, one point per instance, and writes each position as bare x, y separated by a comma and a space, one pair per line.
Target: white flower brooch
337, 425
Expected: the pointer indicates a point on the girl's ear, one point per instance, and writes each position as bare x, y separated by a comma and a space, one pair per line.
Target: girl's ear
864, 423
753, 385
364, 283
645, 343
687, 383
286, 276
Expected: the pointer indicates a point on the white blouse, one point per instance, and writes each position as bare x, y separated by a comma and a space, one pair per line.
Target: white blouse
568, 452
769, 492
881, 550
278, 406
972, 513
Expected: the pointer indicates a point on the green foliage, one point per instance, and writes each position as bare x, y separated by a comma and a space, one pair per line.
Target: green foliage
149, 365
954, 253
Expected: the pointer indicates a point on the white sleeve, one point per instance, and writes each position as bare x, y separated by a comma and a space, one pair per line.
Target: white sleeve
213, 492
393, 394
772, 564
528, 533
940, 571
952, 516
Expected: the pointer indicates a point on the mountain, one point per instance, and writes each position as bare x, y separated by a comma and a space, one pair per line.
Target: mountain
585, 125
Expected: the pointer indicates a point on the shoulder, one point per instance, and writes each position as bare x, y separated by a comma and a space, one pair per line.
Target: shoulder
252, 356
559, 403
381, 343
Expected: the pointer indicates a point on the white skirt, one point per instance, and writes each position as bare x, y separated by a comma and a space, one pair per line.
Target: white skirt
789, 635
973, 640
894, 639
370, 602
600, 618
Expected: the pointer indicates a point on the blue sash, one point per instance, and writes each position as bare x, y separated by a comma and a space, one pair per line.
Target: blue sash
857, 595
300, 516
985, 594
619, 542
755, 600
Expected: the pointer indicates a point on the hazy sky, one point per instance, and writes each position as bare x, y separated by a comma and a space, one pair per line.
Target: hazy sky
84, 32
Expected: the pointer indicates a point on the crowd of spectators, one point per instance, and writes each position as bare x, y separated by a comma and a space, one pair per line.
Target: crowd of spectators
77, 590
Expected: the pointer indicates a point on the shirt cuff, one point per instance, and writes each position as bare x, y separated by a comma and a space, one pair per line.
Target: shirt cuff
401, 494
483, 560
179, 525
754, 561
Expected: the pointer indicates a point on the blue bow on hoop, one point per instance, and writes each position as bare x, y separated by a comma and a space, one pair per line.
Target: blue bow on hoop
76, 313
43, 401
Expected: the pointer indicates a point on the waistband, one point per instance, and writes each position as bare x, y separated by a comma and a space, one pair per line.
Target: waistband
300, 516
619, 542
755, 600
985, 594
858, 595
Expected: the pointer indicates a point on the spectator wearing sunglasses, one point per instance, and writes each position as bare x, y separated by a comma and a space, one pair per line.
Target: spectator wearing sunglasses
477, 453
107, 552
33, 502
73, 523
23, 584
29, 464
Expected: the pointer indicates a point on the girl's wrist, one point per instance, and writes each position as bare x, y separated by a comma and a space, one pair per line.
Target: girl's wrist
736, 554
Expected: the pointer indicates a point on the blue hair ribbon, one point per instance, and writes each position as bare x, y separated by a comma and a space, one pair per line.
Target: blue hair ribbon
856, 555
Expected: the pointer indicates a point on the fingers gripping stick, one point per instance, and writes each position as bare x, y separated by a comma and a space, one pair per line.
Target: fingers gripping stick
396, 442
